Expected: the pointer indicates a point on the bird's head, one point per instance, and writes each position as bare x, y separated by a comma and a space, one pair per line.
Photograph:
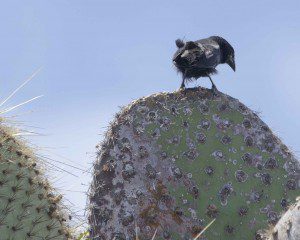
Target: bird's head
227, 51
230, 60
228, 54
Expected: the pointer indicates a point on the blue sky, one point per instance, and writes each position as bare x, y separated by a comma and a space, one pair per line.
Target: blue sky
99, 55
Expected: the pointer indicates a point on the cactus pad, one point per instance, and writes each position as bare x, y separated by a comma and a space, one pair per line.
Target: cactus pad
175, 161
288, 226
29, 208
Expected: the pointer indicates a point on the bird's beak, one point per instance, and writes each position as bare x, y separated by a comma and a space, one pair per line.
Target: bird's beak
231, 63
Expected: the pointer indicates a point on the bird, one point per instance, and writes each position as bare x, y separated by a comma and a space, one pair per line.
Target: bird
195, 59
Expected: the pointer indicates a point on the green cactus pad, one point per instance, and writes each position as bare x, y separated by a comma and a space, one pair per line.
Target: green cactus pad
175, 161
29, 208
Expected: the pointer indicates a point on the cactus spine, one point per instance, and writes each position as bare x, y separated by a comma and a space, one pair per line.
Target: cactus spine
29, 207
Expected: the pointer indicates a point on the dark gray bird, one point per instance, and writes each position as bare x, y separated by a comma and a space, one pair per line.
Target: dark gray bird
200, 58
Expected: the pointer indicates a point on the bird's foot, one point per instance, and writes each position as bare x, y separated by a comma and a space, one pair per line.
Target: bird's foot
214, 90
182, 91
182, 87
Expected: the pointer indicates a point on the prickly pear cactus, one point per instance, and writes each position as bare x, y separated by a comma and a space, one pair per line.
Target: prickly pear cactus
29, 208
172, 162
288, 226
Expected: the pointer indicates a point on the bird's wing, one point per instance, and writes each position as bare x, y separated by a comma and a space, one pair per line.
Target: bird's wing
209, 56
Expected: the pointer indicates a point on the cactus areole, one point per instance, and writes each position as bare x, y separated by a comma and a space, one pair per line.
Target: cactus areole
29, 207
173, 162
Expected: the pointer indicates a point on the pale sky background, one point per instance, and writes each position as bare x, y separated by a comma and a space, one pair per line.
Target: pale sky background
99, 55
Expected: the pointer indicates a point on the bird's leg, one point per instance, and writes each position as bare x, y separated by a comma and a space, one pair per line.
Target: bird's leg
213, 87
182, 86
